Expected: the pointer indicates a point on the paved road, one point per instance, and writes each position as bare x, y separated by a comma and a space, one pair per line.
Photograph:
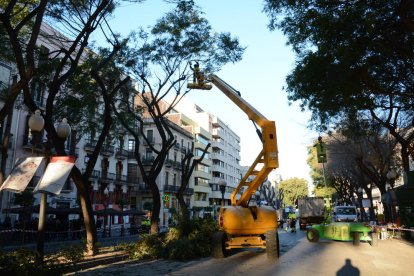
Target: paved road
298, 257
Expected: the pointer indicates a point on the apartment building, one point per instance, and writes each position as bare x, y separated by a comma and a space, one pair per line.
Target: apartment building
225, 151
202, 172
109, 181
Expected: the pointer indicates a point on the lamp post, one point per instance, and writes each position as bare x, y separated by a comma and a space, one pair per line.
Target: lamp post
105, 204
222, 185
391, 176
122, 203
36, 124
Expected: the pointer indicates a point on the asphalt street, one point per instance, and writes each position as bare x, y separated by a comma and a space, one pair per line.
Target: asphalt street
298, 257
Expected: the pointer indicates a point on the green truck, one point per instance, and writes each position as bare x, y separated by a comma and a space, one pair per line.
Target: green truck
343, 231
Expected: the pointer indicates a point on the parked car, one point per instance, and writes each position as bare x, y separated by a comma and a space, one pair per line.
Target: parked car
343, 231
345, 214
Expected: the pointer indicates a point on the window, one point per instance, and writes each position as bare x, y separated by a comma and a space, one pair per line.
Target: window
148, 153
200, 181
150, 135
131, 144
201, 139
166, 178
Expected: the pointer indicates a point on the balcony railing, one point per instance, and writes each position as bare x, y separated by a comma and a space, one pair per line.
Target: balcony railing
143, 187
171, 188
107, 150
131, 154
121, 154
134, 180
174, 189
177, 165
169, 162
90, 145
148, 160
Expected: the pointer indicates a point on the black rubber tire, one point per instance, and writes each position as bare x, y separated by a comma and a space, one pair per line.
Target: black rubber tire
374, 239
218, 250
312, 235
357, 238
272, 244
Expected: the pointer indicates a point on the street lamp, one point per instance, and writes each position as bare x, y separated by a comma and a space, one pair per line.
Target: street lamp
36, 124
222, 185
391, 175
124, 191
105, 204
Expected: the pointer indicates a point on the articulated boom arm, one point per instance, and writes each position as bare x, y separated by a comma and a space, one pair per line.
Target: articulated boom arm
267, 160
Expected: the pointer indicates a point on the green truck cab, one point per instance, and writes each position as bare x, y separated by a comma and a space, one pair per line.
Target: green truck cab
342, 231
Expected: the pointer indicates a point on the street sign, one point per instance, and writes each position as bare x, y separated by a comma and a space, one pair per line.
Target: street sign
56, 174
21, 174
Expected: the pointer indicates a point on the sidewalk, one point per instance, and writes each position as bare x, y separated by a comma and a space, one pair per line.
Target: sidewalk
55, 246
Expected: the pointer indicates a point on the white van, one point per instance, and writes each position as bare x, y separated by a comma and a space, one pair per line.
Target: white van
345, 213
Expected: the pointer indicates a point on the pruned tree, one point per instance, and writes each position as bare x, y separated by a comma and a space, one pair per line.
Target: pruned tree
158, 61
188, 164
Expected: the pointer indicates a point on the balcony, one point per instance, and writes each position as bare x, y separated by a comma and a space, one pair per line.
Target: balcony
189, 191
177, 165
121, 154
107, 150
121, 179
143, 188
148, 160
133, 180
90, 145
171, 188
107, 177
169, 163
131, 154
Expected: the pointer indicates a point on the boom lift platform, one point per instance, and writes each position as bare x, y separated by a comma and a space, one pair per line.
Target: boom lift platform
241, 225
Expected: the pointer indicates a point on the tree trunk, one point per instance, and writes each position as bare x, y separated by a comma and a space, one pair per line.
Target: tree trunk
156, 206
89, 220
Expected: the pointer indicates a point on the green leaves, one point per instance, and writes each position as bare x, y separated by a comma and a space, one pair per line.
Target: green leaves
351, 55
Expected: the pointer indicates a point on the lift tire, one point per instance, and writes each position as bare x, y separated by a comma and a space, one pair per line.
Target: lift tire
218, 249
312, 235
374, 239
272, 244
357, 238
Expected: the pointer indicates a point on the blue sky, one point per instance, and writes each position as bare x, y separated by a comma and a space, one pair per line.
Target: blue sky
259, 77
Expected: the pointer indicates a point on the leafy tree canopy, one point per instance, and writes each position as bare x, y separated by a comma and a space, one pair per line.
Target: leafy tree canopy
293, 188
351, 55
